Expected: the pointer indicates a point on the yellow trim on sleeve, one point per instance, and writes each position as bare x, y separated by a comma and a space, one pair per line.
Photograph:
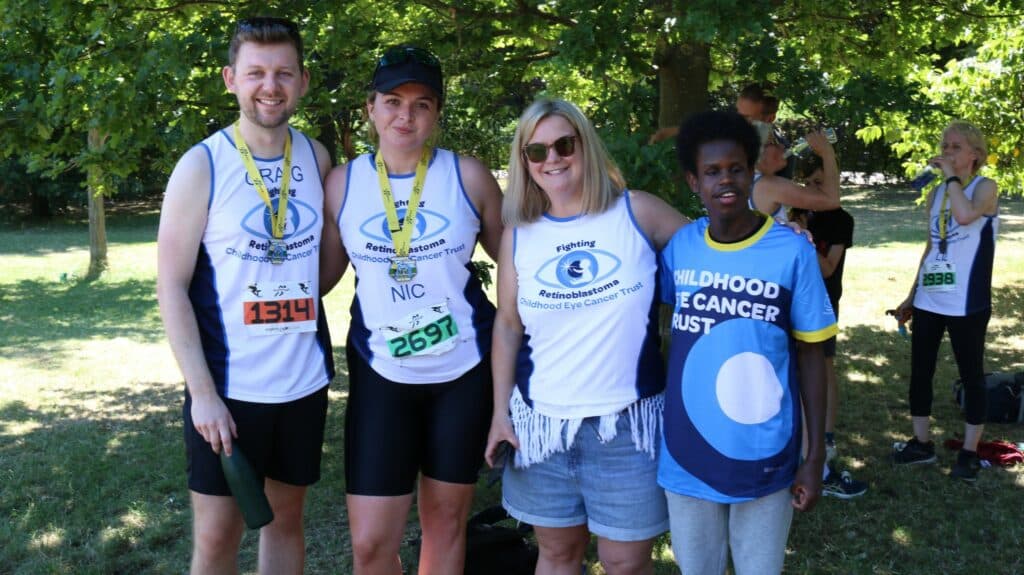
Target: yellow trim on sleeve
816, 336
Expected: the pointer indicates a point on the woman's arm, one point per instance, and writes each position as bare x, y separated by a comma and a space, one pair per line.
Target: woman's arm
830, 260
333, 257
485, 194
658, 220
983, 203
508, 335
771, 190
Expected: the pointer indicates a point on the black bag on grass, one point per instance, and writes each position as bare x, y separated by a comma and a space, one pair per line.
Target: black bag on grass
1005, 400
495, 549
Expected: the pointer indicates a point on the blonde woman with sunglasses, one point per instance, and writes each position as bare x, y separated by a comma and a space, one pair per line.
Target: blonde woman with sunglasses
409, 217
578, 378
773, 194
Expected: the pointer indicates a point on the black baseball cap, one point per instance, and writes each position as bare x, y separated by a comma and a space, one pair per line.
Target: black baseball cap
403, 64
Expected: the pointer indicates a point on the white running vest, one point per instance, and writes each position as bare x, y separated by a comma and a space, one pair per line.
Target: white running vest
958, 283
588, 304
385, 312
262, 328
780, 212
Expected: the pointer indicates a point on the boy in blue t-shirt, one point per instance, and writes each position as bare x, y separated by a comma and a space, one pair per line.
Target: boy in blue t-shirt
750, 310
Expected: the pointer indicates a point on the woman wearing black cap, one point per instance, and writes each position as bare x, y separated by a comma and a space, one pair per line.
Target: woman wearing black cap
409, 216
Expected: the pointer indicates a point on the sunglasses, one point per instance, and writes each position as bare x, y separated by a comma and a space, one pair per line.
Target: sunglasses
537, 153
397, 55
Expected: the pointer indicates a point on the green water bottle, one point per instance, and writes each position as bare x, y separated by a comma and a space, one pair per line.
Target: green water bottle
247, 487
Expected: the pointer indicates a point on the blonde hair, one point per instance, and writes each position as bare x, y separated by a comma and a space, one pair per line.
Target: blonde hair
525, 201
975, 139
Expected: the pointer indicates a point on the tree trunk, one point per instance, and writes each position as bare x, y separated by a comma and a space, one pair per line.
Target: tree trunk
683, 71
329, 136
97, 218
40, 204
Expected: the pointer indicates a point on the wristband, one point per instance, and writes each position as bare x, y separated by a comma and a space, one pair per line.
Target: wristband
955, 179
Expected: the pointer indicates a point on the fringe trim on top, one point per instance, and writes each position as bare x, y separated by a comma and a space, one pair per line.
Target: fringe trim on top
540, 436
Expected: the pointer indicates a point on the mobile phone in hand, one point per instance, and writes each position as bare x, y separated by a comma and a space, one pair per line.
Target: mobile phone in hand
503, 454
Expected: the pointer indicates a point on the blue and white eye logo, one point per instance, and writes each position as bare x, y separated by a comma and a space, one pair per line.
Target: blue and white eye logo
428, 225
578, 269
301, 218
953, 234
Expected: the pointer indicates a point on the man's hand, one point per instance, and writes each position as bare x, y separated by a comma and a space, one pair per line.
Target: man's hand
213, 421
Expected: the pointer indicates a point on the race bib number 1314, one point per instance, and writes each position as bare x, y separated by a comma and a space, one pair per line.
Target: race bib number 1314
275, 308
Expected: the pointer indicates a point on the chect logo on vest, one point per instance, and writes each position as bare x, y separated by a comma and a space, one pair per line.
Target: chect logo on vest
427, 241
953, 232
299, 231
579, 275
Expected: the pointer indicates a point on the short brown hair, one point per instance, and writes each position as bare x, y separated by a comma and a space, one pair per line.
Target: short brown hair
264, 30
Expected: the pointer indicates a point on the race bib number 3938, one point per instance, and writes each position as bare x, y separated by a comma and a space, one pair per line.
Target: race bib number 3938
938, 277
277, 308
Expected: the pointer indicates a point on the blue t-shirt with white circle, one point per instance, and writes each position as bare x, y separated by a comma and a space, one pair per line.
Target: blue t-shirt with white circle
732, 400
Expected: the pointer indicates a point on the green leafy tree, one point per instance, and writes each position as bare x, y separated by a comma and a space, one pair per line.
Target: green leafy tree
115, 91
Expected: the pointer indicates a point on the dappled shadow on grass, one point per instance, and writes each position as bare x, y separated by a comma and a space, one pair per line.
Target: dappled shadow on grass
95, 491
913, 519
43, 240
889, 213
1007, 325
892, 215
39, 316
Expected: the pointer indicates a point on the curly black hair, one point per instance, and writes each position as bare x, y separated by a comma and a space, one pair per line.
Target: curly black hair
704, 127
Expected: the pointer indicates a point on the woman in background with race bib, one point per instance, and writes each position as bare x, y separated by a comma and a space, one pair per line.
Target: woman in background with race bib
952, 292
409, 217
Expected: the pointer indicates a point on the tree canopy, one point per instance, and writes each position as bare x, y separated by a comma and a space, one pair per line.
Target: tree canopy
144, 77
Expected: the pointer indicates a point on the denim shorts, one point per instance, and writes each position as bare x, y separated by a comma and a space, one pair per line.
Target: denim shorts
611, 487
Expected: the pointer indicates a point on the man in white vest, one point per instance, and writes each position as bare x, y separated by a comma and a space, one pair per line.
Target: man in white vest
237, 263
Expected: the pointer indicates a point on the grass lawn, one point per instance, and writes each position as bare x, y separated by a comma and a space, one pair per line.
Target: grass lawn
92, 465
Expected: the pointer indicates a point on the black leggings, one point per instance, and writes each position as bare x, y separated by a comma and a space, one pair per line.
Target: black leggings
967, 336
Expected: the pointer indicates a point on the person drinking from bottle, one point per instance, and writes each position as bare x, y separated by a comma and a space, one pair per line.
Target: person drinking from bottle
409, 217
239, 296
952, 291
774, 195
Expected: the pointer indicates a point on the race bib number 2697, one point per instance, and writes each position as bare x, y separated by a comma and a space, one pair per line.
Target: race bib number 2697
428, 331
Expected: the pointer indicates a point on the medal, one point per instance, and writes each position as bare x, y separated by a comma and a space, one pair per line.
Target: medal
277, 251
402, 269
403, 266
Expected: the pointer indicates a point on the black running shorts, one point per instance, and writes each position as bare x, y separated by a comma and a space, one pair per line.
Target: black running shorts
394, 431
282, 441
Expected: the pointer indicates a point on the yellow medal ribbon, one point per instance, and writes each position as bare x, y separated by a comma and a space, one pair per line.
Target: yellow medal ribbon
402, 234
944, 215
278, 218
